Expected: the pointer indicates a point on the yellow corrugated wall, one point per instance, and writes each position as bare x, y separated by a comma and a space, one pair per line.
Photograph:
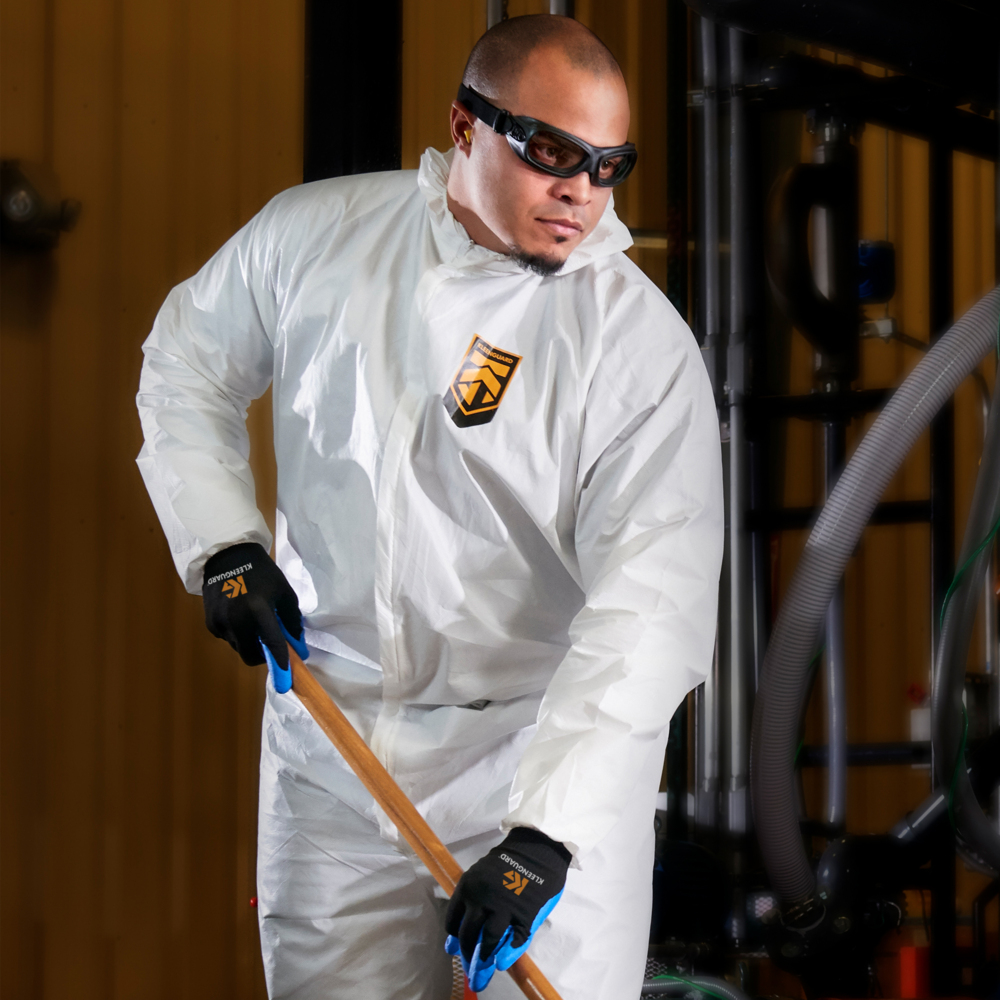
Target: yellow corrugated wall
129, 735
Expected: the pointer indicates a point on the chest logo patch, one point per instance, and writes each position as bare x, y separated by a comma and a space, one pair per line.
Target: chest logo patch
479, 384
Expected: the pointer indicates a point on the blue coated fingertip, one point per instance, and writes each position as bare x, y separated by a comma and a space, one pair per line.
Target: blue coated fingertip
480, 971
280, 676
506, 954
299, 645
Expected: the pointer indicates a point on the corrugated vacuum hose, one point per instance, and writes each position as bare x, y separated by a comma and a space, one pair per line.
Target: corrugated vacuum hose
784, 676
414, 828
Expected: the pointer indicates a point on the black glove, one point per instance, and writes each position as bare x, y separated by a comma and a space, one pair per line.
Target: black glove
245, 594
502, 900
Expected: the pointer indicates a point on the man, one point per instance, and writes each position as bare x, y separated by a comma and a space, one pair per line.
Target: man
498, 511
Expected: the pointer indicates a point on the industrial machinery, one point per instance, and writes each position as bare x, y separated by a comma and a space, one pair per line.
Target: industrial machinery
743, 877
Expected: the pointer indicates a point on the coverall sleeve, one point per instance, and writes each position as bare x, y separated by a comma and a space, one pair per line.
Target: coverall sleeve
209, 354
649, 538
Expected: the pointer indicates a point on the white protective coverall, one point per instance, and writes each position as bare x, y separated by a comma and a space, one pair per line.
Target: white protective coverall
509, 611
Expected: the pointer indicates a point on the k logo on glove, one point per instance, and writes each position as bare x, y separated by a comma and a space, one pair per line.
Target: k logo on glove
514, 881
234, 588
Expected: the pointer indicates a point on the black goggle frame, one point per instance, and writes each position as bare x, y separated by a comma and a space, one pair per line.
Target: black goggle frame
519, 131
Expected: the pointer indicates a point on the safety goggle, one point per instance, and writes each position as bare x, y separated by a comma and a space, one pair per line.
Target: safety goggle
550, 149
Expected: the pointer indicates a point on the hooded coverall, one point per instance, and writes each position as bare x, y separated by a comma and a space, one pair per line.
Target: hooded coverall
499, 503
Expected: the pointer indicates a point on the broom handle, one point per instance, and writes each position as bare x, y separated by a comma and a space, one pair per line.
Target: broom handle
414, 828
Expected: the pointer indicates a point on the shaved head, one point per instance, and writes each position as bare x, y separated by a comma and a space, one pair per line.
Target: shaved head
501, 55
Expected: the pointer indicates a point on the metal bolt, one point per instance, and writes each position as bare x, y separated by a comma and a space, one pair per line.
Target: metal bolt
19, 205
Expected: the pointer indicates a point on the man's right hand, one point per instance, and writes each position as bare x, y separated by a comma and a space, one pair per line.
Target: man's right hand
248, 600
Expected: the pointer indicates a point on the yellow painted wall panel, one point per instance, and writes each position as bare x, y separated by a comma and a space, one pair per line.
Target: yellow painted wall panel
130, 736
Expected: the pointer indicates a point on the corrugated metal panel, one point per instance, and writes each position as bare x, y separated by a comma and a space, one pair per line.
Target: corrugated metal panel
130, 736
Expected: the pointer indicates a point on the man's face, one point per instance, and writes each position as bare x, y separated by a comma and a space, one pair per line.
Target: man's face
535, 215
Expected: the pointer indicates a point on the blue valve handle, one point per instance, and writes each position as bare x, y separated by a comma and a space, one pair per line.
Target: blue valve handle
282, 676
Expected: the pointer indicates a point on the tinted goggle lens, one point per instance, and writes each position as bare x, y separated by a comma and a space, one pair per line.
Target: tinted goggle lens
558, 154
555, 152
614, 169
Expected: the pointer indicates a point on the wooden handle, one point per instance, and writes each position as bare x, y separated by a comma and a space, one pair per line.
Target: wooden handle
424, 841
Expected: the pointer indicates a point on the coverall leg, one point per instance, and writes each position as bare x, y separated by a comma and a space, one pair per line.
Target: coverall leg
344, 913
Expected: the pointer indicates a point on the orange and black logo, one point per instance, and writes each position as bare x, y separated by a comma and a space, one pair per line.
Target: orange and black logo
479, 384
234, 588
515, 882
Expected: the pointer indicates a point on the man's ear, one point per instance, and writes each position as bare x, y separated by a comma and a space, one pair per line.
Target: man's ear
462, 122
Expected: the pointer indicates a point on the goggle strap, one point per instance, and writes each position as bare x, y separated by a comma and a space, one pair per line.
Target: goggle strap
498, 120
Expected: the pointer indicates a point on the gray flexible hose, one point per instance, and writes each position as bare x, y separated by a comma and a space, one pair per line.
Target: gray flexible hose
712, 985
971, 824
780, 699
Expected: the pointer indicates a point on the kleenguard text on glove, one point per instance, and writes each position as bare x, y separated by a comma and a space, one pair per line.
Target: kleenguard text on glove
228, 574
521, 869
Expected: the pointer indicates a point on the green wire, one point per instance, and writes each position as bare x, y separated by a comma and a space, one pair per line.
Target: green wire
961, 572
694, 986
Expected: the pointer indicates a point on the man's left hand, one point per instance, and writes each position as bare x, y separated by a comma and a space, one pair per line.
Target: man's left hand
502, 900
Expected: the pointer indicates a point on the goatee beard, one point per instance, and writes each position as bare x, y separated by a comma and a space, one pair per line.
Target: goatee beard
535, 262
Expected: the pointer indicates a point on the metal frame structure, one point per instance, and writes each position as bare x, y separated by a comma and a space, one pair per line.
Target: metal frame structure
727, 101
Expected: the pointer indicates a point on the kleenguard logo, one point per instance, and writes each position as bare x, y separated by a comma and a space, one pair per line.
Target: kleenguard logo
479, 384
234, 588
517, 883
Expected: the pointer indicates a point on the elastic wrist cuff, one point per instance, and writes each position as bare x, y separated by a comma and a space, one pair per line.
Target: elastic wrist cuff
526, 835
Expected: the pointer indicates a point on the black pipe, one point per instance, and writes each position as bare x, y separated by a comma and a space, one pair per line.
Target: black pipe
943, 427
869, 754
900, 103
797, 518
820, 405
353, 84
979, 905
944, 956
677, 774
950, 44
677, 156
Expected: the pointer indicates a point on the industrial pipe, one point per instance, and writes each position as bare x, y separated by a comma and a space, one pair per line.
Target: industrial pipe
709, 207
740, 686
707, 696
